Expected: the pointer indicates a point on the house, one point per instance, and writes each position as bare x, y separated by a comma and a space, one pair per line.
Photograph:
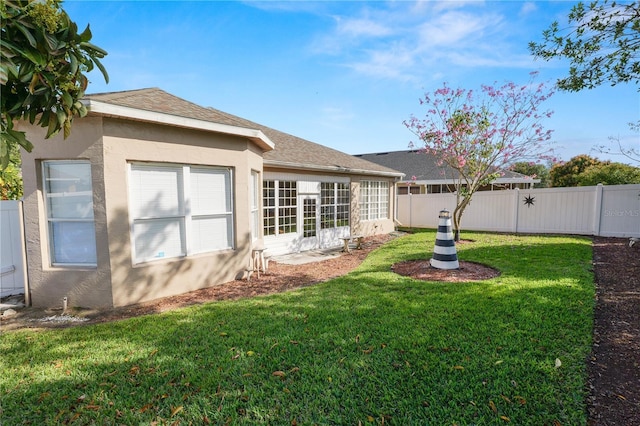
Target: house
153, 196
430, 178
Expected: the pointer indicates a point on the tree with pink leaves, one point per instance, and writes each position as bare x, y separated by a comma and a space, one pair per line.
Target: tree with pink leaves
480, 134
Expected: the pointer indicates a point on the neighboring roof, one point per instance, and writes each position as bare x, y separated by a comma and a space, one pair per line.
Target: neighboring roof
425, 168
282, 149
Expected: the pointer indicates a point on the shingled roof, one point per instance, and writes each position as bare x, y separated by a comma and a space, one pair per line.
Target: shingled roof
289, 151
424, 166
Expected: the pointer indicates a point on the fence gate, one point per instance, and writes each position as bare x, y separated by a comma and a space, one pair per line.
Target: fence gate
12, 249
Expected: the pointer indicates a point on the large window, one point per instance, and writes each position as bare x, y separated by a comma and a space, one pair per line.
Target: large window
334, 205
69, 205
280, 207
180, 210
374, 200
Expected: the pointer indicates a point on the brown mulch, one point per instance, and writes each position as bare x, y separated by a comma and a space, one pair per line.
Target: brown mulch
422, 270
613, 367
279, 278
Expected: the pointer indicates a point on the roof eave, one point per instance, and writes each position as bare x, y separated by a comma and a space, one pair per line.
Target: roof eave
332, 169
497, 181
107, 109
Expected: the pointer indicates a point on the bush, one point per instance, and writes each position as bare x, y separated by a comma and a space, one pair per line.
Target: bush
609, 174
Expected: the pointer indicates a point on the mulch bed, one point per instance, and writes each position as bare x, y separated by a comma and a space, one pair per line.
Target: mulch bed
422, 270
614, 366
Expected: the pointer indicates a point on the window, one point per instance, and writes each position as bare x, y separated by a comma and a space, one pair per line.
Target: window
280, 208
211, 210
269, 206
411, 189
255, 202
334, 205
374, 200
179, 210
309, 217
68, 196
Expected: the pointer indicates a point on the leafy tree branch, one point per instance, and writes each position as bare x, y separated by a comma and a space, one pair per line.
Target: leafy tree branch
602, 42
42, 71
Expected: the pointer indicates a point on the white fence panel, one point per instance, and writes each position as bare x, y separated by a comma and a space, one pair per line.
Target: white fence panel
557, 210
421, 211
12, 266
610, 211
491, 211
620, 213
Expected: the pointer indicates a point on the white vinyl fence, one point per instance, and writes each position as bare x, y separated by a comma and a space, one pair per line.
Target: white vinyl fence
12, 254
610, 211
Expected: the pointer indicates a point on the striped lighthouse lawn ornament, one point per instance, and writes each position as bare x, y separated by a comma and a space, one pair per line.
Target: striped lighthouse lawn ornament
444, 252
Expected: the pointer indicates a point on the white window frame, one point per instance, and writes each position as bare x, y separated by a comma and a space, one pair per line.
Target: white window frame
281, 210
255, 204
185, 210
57, 216
334, 205
374, 200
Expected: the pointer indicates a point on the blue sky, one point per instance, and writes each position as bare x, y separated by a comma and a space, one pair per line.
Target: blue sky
345, 74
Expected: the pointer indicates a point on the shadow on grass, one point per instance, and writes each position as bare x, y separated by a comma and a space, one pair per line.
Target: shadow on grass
370, 345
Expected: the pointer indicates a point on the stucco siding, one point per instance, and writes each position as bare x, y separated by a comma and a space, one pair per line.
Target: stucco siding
127, 142
49, 284
111, 145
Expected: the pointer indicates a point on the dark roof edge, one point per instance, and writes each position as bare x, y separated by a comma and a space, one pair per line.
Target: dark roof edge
109, 109
333, 169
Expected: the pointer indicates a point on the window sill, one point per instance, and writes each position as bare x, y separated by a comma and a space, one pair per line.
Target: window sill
194, 256
71, 267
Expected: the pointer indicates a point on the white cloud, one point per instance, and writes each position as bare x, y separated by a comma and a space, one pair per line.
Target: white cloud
453, 28
349, 33
362, 28
393, 63
406, 41
439, 6
528, 8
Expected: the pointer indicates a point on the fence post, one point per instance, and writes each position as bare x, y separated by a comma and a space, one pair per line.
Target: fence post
410, 210
516, 210
597, 213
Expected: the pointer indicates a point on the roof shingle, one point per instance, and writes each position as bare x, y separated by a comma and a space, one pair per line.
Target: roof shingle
421, 165
289, 151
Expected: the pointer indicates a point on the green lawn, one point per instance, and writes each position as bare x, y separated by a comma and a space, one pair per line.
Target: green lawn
371, 347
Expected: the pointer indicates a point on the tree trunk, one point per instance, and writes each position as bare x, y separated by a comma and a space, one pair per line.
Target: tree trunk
457, 217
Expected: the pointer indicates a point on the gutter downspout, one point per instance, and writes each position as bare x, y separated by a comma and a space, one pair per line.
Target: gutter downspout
395, 207
23, 246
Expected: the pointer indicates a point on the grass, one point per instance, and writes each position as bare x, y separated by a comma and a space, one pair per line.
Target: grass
371, 347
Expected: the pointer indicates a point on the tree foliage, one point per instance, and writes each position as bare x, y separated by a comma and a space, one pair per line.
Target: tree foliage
480, 135
609, 174
11, 176
533, 170
42, 72
567, 173
601, 41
